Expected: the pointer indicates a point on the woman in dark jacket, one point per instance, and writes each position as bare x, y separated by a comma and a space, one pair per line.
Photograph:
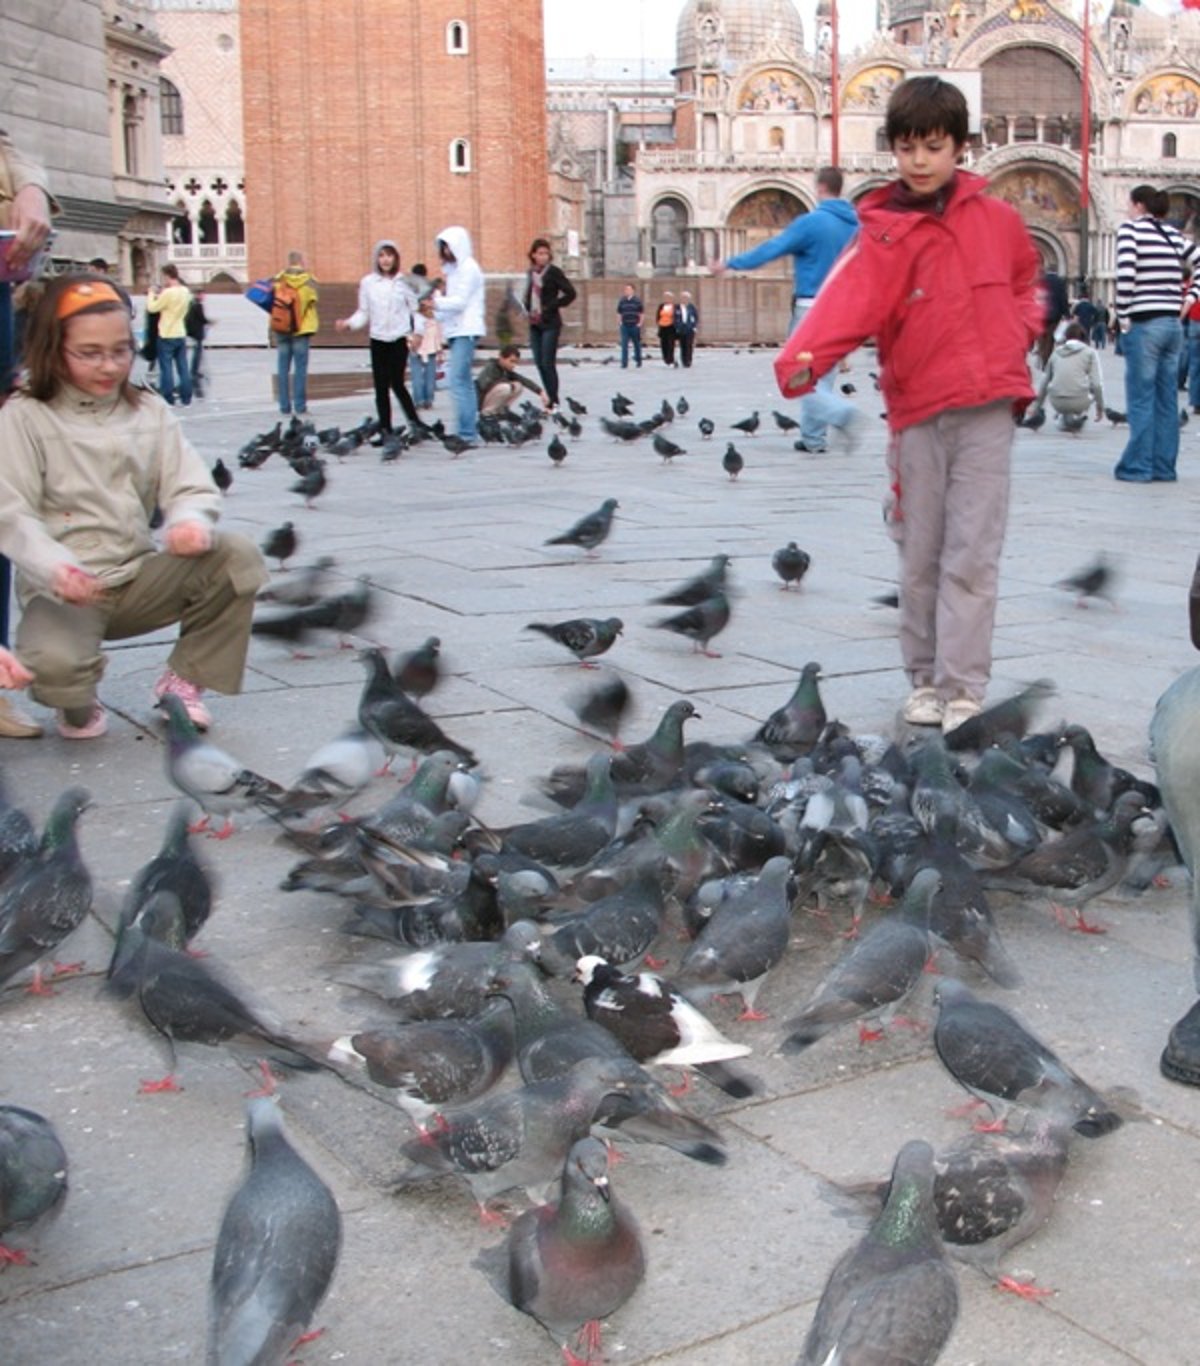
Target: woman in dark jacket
547, 290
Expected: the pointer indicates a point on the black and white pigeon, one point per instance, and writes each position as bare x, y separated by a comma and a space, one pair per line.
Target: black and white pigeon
48, 897
794, 728
213, 779
785, 423
602, 707
590, 532
732, 462
744, 939
394, 719
176, 869
658, 1024
699, 588
749, 425
988, 1051
417, 672
33, 1179
667, 449
573, 1262
893, 1298
585, 637
875, 976
790, 564
276, 1251
701, 622
281, 544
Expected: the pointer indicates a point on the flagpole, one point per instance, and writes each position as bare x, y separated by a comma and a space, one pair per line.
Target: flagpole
1085, 135
834, 93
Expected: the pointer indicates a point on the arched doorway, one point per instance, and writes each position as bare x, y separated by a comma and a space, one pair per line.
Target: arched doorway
1031, 94
761, 214
1184, 211
668, 233
1047, 198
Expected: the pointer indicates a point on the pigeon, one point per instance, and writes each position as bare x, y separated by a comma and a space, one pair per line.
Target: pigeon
1010, 717
468, 911
176, 869
394, 719
993, 1056
311, 484
281, 544
1096, 580
579, 409
418, 671
1034, 420
585, 637
276, 1251
620, 927
893, 1297
556, 450
1115, 417
343, 614
591, 531
302, 587
650, 766
222, 477
707, 427
573, 1262
456, 444
214, 780
334, 773
667, 449
33, 1177
666, 411
795, 727
1098, 782
683, 407
701, 622
742, 942
432, 1063
603, 706
749, 425
785, 423
18, 839
622, 406
569, 840
623, 431
657, 1023
849, 388
47, 898
791, 564
879, 971
1183, 417
732, 462
700, 588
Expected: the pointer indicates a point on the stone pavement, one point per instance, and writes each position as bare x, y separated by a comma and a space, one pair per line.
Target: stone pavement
737, 1256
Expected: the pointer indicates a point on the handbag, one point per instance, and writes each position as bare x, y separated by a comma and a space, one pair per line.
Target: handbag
262, 294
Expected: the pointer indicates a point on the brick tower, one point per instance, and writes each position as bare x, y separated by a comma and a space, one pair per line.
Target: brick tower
392, 118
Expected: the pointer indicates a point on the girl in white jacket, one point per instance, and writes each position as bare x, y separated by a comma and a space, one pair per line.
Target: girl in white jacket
460, 310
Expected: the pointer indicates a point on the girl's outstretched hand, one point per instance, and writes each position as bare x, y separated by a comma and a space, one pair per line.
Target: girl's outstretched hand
188, 538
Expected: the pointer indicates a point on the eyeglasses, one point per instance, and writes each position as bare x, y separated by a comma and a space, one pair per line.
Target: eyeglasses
119, 355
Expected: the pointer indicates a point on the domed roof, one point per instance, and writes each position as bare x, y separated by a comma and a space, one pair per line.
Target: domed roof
740, 30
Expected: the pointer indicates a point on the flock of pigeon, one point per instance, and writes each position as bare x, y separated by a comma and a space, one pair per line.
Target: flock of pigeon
527, 1013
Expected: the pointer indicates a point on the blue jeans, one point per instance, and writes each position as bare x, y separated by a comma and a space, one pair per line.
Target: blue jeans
823, 407
292, 359
631, 332
1194, 365
543, 346
462, 387
424, 378
1151, 351
172, 361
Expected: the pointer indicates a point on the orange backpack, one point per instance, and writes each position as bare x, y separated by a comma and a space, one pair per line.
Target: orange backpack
666, 315
287, 308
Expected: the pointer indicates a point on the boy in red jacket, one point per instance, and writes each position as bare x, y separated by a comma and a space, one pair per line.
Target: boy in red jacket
946, 279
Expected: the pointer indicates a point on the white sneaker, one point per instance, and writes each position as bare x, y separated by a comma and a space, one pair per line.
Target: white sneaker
924, 708
958, 711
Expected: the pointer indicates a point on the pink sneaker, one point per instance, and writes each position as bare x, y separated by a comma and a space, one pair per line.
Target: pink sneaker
188, 693
92, 729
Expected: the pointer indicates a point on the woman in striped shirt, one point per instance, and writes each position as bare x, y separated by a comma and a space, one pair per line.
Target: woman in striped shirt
1151, 256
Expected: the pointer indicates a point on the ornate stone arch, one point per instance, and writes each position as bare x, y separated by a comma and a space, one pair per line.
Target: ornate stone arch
774, 87
763, 186
1166, 93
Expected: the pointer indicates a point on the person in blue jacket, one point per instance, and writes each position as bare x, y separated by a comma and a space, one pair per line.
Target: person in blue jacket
814, 241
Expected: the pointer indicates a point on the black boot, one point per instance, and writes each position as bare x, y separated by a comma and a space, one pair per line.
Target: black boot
1180, 1059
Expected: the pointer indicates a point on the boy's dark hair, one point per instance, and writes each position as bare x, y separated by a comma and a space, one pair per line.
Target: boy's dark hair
45, 332
1143, 195
1074, 332
924, 105
511, 350
171, 271
831, 179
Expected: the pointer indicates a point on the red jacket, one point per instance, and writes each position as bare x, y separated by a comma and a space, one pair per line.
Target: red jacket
953, 302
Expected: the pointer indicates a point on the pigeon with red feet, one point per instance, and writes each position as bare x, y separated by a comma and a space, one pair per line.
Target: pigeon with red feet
33, 1179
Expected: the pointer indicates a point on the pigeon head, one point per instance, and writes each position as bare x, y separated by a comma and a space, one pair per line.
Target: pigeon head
586, 968
588, 1160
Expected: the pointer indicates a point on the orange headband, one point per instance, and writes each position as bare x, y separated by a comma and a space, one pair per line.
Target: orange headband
75, 298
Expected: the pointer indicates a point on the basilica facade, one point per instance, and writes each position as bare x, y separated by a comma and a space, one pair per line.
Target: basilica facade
753, 121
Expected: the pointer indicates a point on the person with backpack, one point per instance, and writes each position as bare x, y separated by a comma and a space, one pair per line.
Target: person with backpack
171, 303
196, 325
386, 305
293, 322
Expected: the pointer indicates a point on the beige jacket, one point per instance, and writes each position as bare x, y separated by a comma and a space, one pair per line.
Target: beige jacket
17, 171
80, 480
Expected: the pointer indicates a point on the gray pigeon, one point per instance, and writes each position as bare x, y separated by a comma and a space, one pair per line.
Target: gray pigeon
652, 765
700, 588
300, 587
893, 1298
591, 531
394, 719
418, 671
334, 773
573, 1263
990, 1053
175, 868
569, 840
667, 449
18, 839
602, 707
33, 1177
791, 564
620, 927
795, 727
585, 637
216, 781
701, 622
733, 462
276, 1252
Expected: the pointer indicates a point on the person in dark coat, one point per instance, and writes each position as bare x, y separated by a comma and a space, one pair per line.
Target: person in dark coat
547, 292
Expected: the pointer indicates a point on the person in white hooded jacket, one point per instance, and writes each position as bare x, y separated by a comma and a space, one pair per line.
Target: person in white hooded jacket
1071, 380
386, 305
460, 310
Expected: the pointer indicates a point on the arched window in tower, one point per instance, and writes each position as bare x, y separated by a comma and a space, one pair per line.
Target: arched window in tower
209, 235
668, 228
1169, 145
129, 129
235, 226
775, 138
181, 225
170, 104
460, 156
456, 37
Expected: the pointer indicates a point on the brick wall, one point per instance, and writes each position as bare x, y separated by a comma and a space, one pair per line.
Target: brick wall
349, 110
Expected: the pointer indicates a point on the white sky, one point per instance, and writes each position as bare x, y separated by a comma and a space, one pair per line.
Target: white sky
637, 28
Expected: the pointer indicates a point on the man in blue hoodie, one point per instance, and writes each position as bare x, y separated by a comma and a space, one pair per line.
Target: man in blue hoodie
814, 241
